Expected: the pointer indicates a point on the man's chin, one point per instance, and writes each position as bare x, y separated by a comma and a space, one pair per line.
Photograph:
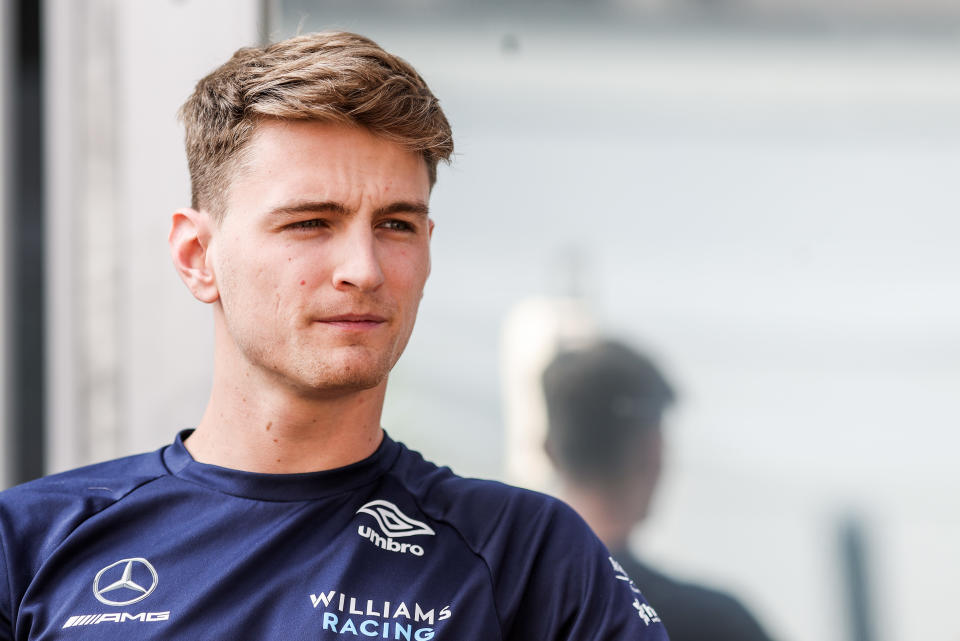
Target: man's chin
337, 379
331, 388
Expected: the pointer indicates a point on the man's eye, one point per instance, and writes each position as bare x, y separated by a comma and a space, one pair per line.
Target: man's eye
397, 225
313, 223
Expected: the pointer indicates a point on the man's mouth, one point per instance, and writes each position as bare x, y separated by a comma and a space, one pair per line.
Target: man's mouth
357, 322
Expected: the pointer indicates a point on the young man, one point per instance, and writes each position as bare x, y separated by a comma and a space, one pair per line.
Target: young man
287, 513
605, 403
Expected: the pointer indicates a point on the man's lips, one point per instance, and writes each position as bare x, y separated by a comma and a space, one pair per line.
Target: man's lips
354, 321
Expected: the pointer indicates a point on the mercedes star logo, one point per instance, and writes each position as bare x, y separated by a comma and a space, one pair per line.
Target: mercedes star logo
125, 583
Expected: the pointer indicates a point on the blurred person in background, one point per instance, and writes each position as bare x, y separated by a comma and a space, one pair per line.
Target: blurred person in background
605, 406
288, 513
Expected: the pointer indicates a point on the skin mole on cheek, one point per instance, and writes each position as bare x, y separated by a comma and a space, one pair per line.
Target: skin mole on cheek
268, 425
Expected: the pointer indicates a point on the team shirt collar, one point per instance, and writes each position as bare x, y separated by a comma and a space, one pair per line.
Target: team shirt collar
279, 487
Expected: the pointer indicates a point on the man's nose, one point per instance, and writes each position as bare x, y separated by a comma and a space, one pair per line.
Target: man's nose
359, 264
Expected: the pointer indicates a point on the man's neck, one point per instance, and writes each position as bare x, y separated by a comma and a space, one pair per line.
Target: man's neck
272, 436
602, 514
256, 424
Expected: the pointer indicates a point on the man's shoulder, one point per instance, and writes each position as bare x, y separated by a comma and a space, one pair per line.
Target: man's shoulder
108, 479
53, 505
483, 510
550, 575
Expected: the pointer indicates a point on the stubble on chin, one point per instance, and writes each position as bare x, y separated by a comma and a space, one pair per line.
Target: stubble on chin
337, 374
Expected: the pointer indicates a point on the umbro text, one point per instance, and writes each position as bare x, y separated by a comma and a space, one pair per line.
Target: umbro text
386, 543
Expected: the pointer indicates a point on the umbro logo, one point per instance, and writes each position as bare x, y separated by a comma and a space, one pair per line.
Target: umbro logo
393, 524
392, 521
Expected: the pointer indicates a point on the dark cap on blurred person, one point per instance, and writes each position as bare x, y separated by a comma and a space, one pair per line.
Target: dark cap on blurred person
601, 398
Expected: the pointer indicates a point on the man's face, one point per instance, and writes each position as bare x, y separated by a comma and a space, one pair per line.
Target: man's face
322, 255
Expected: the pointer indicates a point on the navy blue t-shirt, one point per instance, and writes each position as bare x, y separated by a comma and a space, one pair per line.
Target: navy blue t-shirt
159, 546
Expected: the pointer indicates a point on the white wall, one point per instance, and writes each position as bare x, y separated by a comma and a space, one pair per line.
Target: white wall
128, 346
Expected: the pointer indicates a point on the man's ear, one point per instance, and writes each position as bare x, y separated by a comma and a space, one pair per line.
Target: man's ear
190, 236
429, 262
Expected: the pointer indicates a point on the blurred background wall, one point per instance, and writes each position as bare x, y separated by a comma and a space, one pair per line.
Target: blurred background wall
129, 353
760, 193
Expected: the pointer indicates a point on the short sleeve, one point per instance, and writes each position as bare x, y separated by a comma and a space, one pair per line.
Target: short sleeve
573, 590
601, 602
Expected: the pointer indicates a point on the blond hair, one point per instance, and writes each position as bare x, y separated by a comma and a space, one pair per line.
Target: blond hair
328, 76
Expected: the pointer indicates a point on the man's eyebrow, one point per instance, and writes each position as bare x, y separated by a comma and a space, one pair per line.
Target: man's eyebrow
333, 207
318, 207
402, 207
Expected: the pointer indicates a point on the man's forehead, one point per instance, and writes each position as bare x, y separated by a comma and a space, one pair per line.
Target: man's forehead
288, 163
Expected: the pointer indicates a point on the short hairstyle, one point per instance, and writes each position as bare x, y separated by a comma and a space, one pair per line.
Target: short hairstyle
329, 76
599, 398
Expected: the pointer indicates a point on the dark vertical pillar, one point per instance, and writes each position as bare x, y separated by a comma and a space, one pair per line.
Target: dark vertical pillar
24, 253
854, 555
